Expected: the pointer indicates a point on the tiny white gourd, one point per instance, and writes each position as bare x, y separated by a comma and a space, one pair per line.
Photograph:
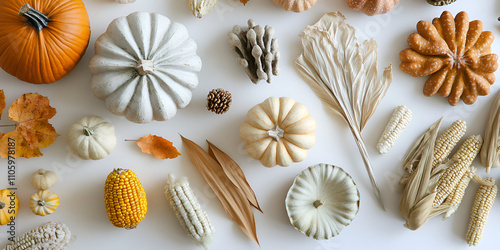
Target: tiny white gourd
145, 67
92, 137
322, 201
43, 179
278, 131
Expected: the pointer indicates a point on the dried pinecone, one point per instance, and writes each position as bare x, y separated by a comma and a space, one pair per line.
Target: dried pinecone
257, 51
219, 101
440, 2
457, 55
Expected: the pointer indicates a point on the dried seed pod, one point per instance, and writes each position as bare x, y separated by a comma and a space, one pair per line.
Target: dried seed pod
483, 202
440, 2
219, 101
201, 7
398, 122
257, 51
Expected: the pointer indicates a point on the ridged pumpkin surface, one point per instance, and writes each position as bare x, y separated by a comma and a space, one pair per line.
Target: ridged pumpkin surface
9, 204
44, 56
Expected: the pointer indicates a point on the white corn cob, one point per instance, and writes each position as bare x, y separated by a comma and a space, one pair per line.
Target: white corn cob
187, 209
52, 235
398, 122
461, 161
447, 141
456, 197
483, 202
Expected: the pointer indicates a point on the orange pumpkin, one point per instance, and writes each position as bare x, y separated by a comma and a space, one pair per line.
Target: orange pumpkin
42, 41
9, 204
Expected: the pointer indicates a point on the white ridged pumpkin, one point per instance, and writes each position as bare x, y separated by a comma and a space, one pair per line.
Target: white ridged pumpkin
92, 137
372, 7
322, 201
145, 67
278, 131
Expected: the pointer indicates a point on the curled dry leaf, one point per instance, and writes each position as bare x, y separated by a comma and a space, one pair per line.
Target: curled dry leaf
32, 111
157, 146
2, 102
490, 151
232, 199
234, 173
344, 75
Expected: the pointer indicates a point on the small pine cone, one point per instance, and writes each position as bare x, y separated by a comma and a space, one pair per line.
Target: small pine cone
219, 101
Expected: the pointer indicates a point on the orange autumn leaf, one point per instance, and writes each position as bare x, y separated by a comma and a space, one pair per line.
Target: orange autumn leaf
2, 103
32, 111
157, 146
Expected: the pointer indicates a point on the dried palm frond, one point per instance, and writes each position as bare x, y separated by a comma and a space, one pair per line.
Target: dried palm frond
344, 75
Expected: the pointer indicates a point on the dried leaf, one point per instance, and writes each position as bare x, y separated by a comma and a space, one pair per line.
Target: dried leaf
233, 200
2, 103
244, 1
490, 152
157, 146
419, 192
344, 75
234, 173
33, 131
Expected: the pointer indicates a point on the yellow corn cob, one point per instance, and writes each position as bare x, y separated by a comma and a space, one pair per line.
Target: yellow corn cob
398, 122
447, 141
52, 235
461, 161
454, 200
188, 211
483, 202
125, 199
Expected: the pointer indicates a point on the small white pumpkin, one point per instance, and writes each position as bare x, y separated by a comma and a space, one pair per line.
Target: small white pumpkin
322, 201
278, 131
145, 67
92, 137
43, 179
44, 202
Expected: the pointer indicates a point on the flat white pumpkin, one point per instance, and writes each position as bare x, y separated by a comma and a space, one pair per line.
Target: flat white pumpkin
145, 67
92, 137
322, 201
278, 131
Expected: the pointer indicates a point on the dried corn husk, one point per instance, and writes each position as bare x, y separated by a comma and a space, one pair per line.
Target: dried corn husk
201, 7
344, 75
232, 199
419, 192
490, 150
234, 173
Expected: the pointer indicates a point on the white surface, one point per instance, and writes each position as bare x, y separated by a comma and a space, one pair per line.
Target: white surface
81, 182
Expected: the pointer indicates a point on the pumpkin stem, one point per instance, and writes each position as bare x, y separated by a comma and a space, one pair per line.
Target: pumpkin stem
318, 203
2, 205
36, 19
88, 131
145, 67
41, 203
276, 133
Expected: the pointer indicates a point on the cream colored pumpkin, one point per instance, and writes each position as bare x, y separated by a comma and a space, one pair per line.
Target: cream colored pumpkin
322, 201
43, 179
295, 5
372, 7
145, 67
278, 131
44, 202
92, 137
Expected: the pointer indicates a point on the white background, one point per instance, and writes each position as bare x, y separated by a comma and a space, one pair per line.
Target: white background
81, 182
